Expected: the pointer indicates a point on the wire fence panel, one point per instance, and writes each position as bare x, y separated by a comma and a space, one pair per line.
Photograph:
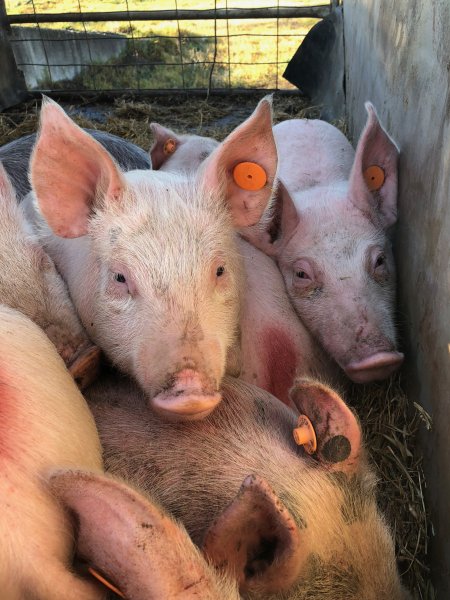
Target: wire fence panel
222, 45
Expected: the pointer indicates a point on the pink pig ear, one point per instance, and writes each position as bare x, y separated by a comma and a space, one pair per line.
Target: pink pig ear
7, 192
276, 226
251, 147
337, 429
256, 540
165, 144
130, 541
69, 172
373, 180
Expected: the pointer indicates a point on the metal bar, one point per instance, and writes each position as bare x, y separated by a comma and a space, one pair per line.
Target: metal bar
314, 12
153, 64
106, 95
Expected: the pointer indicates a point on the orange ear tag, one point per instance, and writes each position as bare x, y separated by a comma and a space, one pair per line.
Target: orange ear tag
374, 177
304, 434
105, 582
249, 176
170, 146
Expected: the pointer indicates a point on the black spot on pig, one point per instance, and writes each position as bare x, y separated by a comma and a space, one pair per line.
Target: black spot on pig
336, 449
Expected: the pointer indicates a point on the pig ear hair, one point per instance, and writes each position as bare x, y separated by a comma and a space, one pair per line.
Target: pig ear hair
165, 144
69, 172
256, 540
250, 143
276, 226
373, 180
129, 540
338, 433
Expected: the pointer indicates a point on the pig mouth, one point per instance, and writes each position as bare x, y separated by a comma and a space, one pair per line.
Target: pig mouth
188, 397
376, 367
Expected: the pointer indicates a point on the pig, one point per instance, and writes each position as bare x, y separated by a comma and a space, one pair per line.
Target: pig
150, 258
286, 523
177, 152
30, 283
328, 231
268, 321
51, 464
16, 155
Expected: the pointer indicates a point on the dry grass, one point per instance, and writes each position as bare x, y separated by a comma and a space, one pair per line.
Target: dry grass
389, 419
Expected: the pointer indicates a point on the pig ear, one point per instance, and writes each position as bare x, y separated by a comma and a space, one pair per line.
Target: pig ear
251, 147
7, 192
373, 180
127, 539
337, 430
69, 172
165, 144
256, 540
277, 226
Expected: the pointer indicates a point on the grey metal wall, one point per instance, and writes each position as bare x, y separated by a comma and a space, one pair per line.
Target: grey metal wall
398, 56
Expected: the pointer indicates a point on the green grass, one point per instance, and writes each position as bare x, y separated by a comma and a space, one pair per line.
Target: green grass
242, 45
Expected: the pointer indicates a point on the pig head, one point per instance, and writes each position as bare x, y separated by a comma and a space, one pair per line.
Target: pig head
328, 231
149, 257
285, 523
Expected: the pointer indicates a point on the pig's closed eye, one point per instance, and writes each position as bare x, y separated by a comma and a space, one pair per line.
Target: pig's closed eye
120, 278
220, 271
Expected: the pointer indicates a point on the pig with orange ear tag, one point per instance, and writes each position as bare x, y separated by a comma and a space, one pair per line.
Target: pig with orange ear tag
288, 522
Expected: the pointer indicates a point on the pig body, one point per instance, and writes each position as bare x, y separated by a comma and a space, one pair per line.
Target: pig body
50, 461
328, 231
150, 258
298, 527
16, 155
30, 283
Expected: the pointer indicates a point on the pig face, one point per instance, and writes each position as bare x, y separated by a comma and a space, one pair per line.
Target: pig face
332, 247
287, 524
152, 267
175, 152
30, 283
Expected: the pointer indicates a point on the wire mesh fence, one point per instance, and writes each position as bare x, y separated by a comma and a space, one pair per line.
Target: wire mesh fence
221, 45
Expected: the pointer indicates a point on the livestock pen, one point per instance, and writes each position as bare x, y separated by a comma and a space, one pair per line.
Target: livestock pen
202, 71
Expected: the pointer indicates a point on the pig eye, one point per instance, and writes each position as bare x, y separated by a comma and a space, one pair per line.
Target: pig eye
220, 271
120, 278
380, 261
302, 274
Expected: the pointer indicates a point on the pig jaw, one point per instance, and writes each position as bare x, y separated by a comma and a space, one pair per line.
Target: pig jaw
189, 398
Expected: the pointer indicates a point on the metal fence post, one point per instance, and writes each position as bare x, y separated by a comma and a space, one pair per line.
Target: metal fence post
12, 84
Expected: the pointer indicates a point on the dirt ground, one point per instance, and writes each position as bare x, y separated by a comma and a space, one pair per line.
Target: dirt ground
389, 420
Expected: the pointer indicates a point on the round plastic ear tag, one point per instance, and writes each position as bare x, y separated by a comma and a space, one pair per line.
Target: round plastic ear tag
105, 582
304, 434
374, 177
249, 176
170, 146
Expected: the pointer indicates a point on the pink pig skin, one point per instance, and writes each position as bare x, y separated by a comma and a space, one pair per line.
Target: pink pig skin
329, 235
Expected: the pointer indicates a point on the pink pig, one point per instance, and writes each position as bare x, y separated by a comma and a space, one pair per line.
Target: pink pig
328, 232
50, 463
150, 258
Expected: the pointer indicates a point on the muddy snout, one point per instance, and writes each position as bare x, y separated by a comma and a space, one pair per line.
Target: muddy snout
375, 367
190, 396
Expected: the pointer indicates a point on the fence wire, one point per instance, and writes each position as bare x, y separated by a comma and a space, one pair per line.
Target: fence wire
220, 47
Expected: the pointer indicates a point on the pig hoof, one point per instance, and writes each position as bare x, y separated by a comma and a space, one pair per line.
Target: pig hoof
375, 367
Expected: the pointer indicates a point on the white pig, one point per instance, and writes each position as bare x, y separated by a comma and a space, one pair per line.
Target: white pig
288, 525
47, 431
150, 258
30, 283
328, 232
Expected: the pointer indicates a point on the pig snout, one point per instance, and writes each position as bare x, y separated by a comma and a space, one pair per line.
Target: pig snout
374, 367
190, 396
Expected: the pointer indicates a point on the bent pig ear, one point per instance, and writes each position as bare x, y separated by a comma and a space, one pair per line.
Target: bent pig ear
373, 180
165, 143
277, 224
256, 540
242, 168
337, 431
69, 172
129, 541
